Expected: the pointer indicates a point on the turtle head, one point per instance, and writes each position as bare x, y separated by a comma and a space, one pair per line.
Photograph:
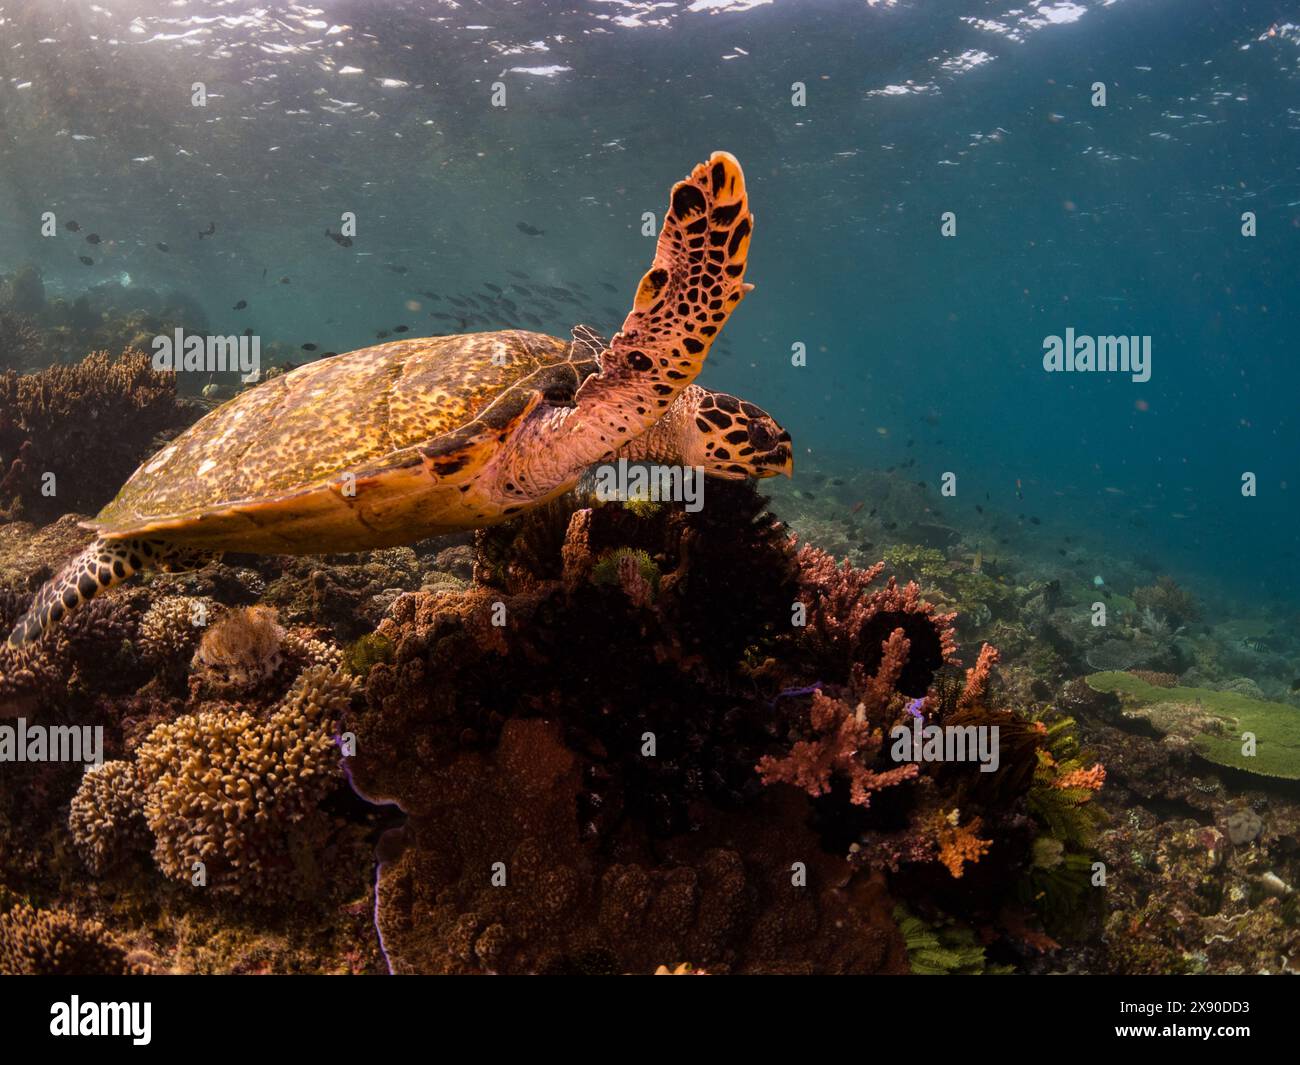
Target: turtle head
734, 438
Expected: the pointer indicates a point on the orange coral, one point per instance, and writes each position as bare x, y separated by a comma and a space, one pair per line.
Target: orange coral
845, 741
977, 678
1089, 779
957, 844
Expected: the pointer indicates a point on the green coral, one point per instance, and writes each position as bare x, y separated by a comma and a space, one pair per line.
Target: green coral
366, 653
1276, 726
925, 563
605, 572
944, 948
642, 506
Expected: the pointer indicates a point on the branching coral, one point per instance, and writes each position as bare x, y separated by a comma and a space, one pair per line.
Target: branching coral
1168, 600
847, 624
104, 818
58, 943
235, 792
111, 408
845, 745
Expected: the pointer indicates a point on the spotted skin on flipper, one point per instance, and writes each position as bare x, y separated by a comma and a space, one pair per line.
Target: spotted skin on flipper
101, 565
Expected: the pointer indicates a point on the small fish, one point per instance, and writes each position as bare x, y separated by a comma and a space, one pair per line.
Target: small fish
161, 246
979, 508
891, 525
338, 238
836, 481
400, 328
382, 334
1295, 685
430, 295
240, 305
608, 287
530, 231
857, 506
395, 268
92, 238
1019, 493
309, 347
1035, 521
494, 288
212, 228
86, 260
285, 281
519, 274
72, 226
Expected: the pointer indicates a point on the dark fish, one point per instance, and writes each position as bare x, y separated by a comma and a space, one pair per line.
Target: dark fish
70, 225
530, 231
284, 281
86, 260
519, 274
1035, 521
891, 525
608, 287
400, 328
1060, 551
212, 228
979, 508
837, 481
494, 288
857, 506
338, 238
395, 268
309, 347
240, 305
264, 273
431, 295
382, 334
522, 291
1295, 685
161, 246
92, 238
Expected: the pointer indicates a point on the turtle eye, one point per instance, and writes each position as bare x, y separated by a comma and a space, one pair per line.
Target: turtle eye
760, 436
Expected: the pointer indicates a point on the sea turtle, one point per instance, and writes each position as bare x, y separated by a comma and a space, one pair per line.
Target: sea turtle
405, 440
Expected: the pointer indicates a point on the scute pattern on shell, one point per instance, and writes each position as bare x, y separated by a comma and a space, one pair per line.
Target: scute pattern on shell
365, 411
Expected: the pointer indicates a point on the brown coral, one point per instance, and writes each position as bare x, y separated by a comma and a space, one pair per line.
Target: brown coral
234, 792
58, 943
111, 408
104, 818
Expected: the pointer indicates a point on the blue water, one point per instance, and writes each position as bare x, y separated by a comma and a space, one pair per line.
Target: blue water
1123, 219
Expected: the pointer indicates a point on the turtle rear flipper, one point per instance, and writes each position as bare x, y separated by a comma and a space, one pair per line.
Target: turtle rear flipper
684, 299
97, 568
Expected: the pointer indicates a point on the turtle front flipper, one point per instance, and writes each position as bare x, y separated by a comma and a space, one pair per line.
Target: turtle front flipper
695, 282
101, 565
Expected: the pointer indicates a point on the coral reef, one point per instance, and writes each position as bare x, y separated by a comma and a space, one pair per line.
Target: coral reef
52, 422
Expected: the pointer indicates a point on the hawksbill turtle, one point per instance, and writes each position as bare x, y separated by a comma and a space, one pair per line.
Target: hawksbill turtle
401, 441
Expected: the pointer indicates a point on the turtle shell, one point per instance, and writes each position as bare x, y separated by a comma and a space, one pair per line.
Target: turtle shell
371, 413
